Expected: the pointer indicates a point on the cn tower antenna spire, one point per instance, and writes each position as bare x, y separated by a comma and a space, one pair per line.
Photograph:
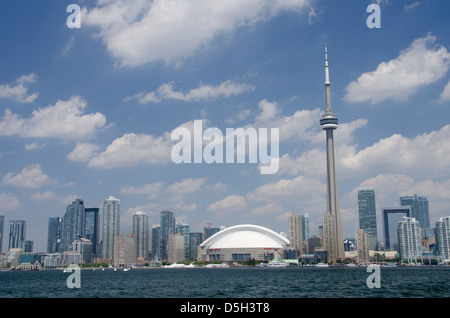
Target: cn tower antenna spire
327, 72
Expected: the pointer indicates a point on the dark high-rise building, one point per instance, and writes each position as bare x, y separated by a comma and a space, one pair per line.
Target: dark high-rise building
424, 215
156, 242
195, 239
419, 209
391, 217
54, 234
167, 227
17, 234
92, 228
73, 224
368, 215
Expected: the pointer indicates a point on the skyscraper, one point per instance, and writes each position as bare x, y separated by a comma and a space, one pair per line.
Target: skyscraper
409, 239
167, 227
111, 226
442, 232
391, 217
2, 221
156, 242
92, 227
73, 224
184, 230
332, 226
424, 215
296, 232
17, 234
368, 215
54, 234
140, 232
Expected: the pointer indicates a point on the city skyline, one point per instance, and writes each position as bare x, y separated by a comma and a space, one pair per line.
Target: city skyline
82, 117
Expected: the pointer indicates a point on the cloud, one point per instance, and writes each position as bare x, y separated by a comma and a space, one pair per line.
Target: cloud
8, 202
138, 32
33, 146
83, 152
303, 124
18, 90
425, 155
133, 149
228, 204
51, 196
64, 120
203, 92
30, 177
421, 64
445, 95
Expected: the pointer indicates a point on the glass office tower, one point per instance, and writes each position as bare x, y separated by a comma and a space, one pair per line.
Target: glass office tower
167, 227
368, 215
111, 226
17, 234
391, 217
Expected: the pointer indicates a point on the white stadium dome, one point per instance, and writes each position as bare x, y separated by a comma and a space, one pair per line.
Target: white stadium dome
242, 242
245, 236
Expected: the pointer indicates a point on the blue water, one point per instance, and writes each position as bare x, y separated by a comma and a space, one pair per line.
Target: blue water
293, 282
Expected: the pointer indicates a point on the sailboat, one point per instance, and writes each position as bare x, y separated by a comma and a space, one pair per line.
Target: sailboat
276, 262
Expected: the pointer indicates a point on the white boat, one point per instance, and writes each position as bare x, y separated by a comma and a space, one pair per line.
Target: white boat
350, 265
321, 265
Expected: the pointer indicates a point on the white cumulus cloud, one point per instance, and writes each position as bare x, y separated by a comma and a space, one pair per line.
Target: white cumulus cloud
64, 120
142, 31
422, 63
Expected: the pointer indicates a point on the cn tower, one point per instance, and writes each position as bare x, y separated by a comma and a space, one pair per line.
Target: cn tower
332, 228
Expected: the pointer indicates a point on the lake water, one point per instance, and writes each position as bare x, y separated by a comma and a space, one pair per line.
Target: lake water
229, 283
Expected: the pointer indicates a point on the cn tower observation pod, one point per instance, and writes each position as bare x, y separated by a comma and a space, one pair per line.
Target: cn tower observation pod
242, 242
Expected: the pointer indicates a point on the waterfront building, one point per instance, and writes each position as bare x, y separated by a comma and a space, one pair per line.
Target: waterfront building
140, 231
305, 226
332, 227
442, 234
92, 228
124, 250
195, 239
363, 247
176, 248
167, 223
419, 209
72, 224
111, 226
184, 230
28, 246
2, 224
17, 234
54, 234
409, 239
84, 247
295, 225
210, 231
313, 243
368, 215
156, 242
391, 217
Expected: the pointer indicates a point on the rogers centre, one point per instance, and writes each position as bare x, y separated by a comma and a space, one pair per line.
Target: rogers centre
241, 243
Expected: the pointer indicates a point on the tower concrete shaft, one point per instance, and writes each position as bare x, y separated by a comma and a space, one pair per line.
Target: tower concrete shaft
332, 227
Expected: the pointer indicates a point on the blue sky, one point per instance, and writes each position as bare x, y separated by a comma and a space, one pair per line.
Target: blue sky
87, 113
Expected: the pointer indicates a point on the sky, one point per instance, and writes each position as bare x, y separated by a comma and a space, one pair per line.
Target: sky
88, 112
